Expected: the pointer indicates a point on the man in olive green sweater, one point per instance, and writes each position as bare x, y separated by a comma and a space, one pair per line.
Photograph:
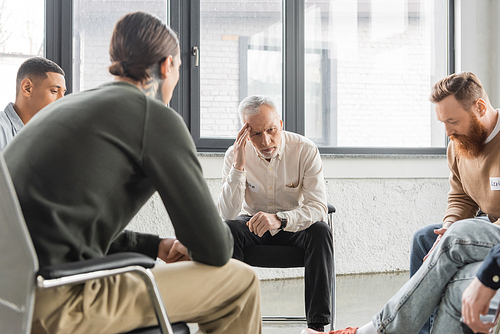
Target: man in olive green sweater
82, 168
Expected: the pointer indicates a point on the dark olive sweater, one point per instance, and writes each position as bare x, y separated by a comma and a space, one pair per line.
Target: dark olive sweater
85, 164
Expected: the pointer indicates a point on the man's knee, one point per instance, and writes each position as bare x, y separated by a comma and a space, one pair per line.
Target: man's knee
242, 272
465, 227
237, 226
320, 230
426, 231
471, 230
424, 235
319, 237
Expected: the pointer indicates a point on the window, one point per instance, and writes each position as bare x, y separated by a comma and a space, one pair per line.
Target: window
369, 66
354, 76
21, 37
94, 21
241, 54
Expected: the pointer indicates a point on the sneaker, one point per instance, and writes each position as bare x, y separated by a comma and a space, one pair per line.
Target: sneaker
317, 327
309, 331
348, 330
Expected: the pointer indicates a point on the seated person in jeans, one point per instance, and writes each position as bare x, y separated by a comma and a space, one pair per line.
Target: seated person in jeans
273, 193
473, 158
86, 164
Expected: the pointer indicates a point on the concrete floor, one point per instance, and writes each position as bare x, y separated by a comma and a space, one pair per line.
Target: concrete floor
359, 297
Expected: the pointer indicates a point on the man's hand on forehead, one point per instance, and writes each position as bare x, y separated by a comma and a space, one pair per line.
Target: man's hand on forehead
239, 147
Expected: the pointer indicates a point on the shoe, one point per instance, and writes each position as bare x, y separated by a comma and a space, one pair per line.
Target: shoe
317, 327
310, 331
348, 330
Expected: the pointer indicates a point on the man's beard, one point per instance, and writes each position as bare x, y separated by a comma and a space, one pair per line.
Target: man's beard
267, 155
470, 146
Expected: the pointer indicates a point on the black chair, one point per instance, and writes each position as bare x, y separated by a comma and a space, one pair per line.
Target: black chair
267, 256
20, 272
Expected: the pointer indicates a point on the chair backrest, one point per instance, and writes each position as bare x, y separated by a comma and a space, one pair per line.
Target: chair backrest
18, 261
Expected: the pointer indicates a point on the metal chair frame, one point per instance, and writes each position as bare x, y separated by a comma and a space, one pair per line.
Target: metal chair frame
145, 273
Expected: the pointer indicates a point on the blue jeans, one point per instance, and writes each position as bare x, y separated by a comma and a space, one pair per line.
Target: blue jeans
421, 244
440, 281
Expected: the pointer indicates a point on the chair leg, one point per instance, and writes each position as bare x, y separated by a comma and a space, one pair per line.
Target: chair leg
156, 301
334, 285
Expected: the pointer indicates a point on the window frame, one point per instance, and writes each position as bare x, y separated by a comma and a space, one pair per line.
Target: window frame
185, 20
59, 36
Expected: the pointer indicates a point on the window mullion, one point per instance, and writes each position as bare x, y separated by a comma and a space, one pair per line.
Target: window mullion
181, 21
293, 66
451, 44
58, 36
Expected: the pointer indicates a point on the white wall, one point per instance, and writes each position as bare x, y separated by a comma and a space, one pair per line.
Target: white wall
380, 202
478, 42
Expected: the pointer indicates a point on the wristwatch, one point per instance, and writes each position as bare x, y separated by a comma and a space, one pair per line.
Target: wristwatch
282, 218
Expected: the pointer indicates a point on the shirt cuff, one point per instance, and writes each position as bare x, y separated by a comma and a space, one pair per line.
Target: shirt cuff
274, 232
147, 244
489, 272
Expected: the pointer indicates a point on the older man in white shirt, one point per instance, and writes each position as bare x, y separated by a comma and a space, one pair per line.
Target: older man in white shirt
275, 184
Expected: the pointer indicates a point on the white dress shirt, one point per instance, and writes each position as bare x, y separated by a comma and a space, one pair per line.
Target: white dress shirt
292, 182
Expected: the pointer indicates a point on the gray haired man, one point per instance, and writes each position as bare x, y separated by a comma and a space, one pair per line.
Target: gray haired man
273, 193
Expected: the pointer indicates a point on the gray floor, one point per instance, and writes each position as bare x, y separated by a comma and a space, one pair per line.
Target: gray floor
359, 297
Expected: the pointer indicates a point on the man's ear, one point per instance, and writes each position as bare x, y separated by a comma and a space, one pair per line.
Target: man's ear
481, 106
281, 123
26, 87
165, 67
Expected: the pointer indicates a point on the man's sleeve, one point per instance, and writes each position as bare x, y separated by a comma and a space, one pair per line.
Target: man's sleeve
489, 272
130, 241
314, 206
170, 163
3, 137
232, 192
460, 205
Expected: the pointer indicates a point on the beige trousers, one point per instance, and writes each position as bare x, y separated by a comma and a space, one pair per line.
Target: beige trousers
220, 299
